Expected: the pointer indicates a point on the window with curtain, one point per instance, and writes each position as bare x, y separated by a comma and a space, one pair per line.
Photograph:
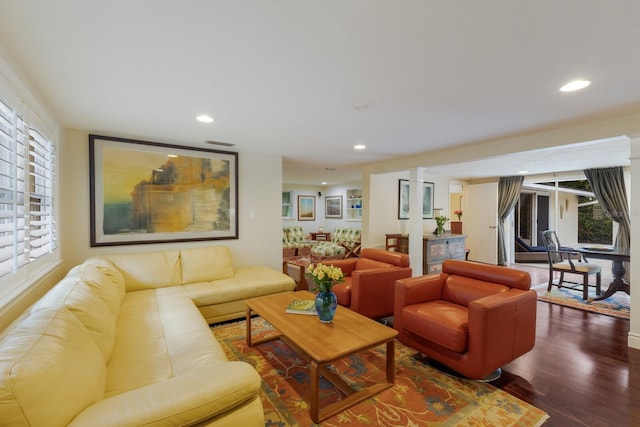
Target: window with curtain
27, 177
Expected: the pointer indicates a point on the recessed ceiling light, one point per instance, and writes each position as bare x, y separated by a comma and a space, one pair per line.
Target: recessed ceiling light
523, 172
575, 85
324, 182
204, 118
359, 147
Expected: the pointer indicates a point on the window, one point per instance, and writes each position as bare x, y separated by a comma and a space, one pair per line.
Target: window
286, 205
27, 177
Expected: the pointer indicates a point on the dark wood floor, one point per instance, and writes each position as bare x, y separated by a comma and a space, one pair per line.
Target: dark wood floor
581, 371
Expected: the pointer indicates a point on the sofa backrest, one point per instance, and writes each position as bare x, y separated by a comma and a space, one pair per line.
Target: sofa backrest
466, 281
346, 236
462, 290
293, 234
148, 270
206, 264
104, 279
392, 258
489, 273
93, 294
367, 264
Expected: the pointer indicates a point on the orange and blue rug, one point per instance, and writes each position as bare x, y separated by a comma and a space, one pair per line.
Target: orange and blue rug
421, 394
617, 305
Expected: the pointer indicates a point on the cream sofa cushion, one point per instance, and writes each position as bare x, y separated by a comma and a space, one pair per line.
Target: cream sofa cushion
104, 278
82, 300
206, 264
49, 351
224, 395
160, 335
140, 353
218, 292
148, 270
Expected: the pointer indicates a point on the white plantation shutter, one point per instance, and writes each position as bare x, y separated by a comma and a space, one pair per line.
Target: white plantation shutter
42, 228
27, 221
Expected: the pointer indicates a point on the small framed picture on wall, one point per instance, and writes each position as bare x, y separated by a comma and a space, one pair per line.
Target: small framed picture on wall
333, 207
403, 199
306, 208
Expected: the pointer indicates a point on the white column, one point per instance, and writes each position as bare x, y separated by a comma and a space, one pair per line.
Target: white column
416, 195
634, 327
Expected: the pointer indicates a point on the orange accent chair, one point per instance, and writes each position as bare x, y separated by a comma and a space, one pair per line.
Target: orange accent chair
369, 281
473, 318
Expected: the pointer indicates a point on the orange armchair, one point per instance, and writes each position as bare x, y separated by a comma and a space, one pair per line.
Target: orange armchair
369, 281
473, 318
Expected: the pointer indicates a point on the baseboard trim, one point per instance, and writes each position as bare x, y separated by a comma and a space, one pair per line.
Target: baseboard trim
634, 340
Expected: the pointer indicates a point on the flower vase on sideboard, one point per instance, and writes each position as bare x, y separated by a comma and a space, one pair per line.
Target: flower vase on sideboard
456, 227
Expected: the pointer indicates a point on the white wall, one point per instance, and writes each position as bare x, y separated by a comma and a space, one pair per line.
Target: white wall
383, 214
260, 185
567, 223
328, 224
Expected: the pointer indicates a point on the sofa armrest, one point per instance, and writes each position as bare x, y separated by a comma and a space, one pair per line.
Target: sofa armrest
372, 290
416, 290
183, 400
506, 323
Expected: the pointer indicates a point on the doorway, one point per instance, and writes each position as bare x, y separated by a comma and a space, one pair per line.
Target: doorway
532, 216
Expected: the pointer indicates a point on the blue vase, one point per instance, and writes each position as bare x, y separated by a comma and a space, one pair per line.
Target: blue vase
326, 304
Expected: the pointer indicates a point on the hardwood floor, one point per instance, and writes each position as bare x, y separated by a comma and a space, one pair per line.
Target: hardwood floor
581, 371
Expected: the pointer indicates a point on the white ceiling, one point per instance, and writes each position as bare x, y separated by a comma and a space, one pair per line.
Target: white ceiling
282, 76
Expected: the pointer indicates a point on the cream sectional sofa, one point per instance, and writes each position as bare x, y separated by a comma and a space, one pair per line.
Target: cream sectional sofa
123, 340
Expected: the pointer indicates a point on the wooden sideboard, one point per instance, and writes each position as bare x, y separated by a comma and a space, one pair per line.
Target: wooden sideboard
320, 235
435, 249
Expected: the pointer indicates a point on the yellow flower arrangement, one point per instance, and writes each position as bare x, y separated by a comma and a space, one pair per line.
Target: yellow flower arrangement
325, 276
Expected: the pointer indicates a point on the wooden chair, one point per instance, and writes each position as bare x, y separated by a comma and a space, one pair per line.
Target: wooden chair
564, 261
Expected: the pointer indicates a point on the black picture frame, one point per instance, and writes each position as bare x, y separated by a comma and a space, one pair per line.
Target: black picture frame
333, 207
149, 192
403, 199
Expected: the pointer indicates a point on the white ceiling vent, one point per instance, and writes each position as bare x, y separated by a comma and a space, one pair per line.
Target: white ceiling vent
222, 144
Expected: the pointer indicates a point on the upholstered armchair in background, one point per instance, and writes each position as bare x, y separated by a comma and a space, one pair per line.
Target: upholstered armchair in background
344, 243
293, 240
473, 318
369, 281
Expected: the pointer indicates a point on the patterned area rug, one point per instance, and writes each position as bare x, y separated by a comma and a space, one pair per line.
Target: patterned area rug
421, 395
617, 305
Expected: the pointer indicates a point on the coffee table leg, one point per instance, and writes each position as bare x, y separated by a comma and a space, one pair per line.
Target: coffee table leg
248, 322
391, 361
315, 392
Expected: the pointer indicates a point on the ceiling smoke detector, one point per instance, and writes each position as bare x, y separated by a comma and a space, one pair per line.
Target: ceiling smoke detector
360, 107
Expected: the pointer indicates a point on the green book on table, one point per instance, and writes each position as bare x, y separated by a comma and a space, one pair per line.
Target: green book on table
302, 306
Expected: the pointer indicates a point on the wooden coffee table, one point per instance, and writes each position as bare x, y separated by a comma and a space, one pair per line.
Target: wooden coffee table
322, 344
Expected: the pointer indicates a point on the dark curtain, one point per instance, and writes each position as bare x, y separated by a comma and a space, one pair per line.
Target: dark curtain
608, 186
508, 193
